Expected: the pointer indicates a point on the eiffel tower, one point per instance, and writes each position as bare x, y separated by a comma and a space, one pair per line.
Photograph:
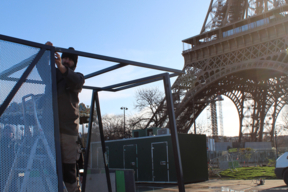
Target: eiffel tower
241, 52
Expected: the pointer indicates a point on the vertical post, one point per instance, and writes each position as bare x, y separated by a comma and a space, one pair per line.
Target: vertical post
56, 121
103, 141
124, 124
241, 116
276, 144
174, 135
83, 126
124, 109
88, 141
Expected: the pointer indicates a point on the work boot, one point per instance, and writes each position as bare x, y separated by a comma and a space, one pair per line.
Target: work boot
73, 187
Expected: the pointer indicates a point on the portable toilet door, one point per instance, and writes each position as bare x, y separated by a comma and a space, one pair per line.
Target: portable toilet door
160, 161
130, 159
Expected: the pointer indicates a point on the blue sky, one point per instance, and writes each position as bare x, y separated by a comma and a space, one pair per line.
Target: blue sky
146, 31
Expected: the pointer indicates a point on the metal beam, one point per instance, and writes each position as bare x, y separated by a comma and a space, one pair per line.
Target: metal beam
17, 67
174, 134
93, 88
103, 142
134, 81
27, 80
20, 82
116, 60
25, 42
143, 83
56, 122
104, 70
87, 149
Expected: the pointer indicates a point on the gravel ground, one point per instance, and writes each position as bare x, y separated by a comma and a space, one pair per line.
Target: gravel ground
221, 185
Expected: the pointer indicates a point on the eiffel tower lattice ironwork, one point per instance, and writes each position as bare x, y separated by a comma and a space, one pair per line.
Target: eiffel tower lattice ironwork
241, 52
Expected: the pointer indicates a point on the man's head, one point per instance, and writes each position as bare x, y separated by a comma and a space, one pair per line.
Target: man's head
8, 131
69, 60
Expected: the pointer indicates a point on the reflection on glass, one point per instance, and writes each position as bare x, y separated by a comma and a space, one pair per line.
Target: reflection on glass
27, 152
96, 174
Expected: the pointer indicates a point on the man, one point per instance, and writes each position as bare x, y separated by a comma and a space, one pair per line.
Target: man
69, 85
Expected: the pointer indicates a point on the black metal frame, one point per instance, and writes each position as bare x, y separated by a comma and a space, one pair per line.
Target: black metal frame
56, 121
95, 101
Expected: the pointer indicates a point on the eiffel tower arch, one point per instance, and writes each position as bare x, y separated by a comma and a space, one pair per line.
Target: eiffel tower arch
241, 52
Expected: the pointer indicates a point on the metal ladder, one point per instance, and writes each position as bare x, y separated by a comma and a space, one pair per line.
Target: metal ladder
32, 154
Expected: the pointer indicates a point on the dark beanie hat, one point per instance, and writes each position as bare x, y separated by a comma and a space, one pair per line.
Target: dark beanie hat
71, 56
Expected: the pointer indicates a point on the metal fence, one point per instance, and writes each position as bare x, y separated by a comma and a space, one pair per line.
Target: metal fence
225, 160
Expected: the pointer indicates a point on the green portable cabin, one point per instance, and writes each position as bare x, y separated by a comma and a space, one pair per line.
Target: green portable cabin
145, 132
152, 157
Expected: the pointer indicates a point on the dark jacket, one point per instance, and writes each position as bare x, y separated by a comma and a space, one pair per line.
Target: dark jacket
69, 85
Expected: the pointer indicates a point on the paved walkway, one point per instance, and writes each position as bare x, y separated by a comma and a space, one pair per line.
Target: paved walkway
222, 185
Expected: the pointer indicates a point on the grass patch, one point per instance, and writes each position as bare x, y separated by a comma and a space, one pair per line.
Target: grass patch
249, 173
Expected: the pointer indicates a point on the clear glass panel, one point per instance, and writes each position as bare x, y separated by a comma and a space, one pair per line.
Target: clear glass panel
14, 59
27, 156
96, 173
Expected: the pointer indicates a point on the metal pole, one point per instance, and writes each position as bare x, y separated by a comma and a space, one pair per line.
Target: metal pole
276, 144
87, 150
194, 117
174, 135
56, 121
103, 142
124, 109
124, 123
83, 125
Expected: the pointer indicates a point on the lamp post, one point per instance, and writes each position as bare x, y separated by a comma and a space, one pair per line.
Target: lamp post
124, 109
275, 140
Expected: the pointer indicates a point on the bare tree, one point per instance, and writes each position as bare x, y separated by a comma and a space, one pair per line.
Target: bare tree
136, 122
113, 126
149, 100
202, 129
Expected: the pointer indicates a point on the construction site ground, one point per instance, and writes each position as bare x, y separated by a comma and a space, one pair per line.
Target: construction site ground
215, 185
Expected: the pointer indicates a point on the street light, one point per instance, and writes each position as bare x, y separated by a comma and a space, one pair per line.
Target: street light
124, 109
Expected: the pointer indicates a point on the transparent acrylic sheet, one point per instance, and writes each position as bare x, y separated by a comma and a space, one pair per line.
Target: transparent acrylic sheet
14, 59
27, 156
96, 174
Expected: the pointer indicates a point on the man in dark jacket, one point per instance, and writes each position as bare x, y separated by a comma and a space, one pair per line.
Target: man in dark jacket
69, 85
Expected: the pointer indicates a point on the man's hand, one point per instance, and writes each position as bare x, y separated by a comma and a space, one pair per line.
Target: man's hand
58, 60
